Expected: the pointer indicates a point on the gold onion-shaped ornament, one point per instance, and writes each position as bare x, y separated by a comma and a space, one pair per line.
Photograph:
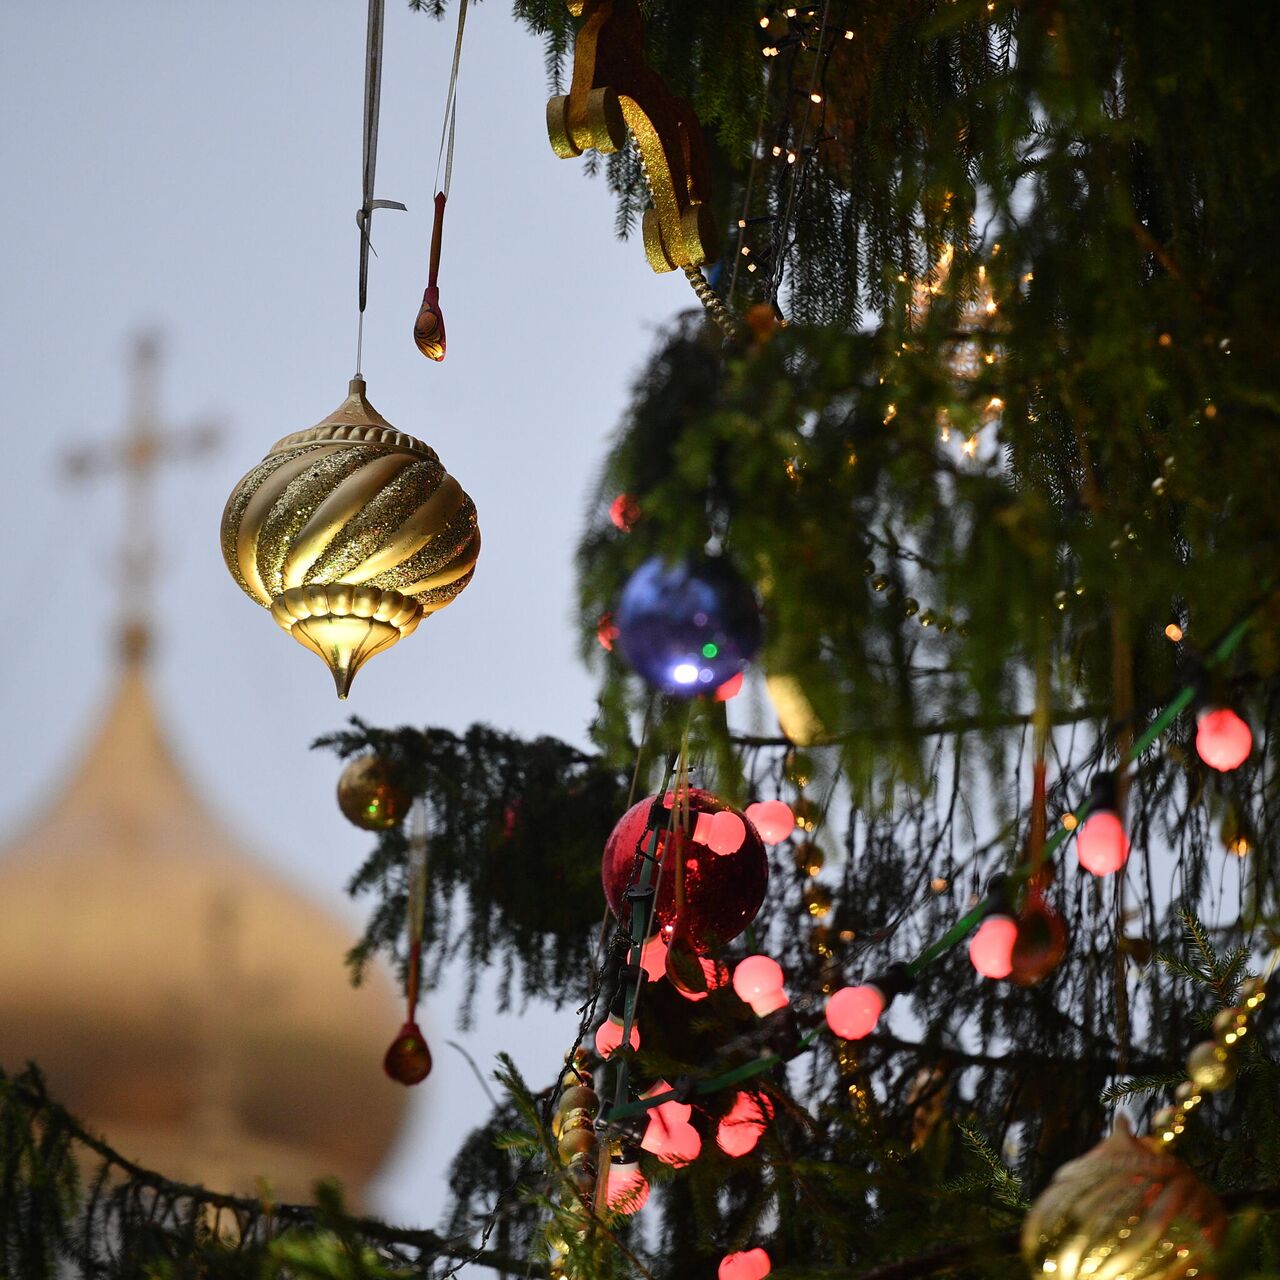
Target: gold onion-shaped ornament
350, 533
1127, 1210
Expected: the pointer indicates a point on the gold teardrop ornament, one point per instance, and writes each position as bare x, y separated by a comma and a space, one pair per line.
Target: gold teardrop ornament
350, 533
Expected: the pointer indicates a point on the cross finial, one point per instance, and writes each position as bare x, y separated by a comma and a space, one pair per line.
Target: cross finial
136, 454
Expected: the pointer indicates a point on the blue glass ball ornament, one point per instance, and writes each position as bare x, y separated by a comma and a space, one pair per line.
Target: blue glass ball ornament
688, 627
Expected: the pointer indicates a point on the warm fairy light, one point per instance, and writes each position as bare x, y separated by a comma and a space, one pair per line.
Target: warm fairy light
815, 97
853, 1012
1240, 846
1165, 339
609, 1036
848, 35
773, 819
791, 159
1173, 632
777, 150
1102, 845
891, 412
746, 252
764, 22
991, 948
791, 13
939, 884
754, 1264
751, 266
1223, 739
741, 1129
1070, 822
742, 224
758, 981
970, 447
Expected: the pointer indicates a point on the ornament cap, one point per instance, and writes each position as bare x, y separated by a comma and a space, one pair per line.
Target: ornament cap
355, 421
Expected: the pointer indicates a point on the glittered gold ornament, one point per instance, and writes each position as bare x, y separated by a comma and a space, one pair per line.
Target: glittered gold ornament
350, 533
370, 794
1211, 1067
1124, 1211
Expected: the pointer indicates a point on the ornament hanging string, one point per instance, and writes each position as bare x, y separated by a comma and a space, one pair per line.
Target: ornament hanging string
428, 328
372, 103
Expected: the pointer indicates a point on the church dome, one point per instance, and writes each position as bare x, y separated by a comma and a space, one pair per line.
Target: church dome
181, 999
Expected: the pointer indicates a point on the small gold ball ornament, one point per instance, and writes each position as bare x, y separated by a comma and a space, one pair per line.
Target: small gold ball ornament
1125, 1209
370, 794
350, 533
1210, 1067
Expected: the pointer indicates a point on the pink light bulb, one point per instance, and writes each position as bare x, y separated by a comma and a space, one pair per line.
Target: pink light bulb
628, 1188
991, 948
758, 981
671, 1138
1223, 739
754, 1264
653, 958
773, 819
853, 1012
742, 1128
726, 832
1102, 845
702, 828
730, 689
624, 511
609, 1035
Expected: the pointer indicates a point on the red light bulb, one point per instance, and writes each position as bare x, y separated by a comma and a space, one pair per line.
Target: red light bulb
991, 948
741, 1129
671, 1137
758, 981
1223, 739
773, 819
624, 511
1102, 845
653, 958
628, 1188
730, 689
754, 1264
609, 1035
853, 1012
606, 632
725, 832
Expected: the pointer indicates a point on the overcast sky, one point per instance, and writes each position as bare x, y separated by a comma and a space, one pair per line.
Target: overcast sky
195, 168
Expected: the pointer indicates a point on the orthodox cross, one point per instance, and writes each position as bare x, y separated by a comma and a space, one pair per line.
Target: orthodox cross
136, 454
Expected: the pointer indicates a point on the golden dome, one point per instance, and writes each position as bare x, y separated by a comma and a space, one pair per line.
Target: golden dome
181, 999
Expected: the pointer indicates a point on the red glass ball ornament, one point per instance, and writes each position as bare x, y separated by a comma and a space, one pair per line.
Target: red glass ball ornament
692, 975
853, 1012
722, 892
991, 947
1102, 844
754, 1264
408, 1060
1223, 739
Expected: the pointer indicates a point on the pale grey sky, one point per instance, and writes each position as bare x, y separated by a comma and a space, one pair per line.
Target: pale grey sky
195, 168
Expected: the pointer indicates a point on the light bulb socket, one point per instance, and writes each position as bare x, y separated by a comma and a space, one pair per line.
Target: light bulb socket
897, 980
1104, 793
999, 899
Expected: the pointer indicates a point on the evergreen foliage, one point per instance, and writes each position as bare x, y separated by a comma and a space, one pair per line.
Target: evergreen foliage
1021, 422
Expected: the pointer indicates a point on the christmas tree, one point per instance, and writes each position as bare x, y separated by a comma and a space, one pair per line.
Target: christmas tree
979, 412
